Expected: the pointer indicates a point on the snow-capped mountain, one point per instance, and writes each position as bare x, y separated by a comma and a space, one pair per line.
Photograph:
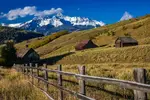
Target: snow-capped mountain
11, 25
50, 24
126, 16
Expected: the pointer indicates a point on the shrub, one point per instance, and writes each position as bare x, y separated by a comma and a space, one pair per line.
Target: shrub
137, 26
110, 33
8, 54
124, 27
2, 61
127, 34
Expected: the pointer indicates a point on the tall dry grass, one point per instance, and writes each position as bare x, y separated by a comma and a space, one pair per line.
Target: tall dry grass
13, 86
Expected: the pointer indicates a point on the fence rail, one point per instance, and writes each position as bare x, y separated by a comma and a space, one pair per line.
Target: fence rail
139, 87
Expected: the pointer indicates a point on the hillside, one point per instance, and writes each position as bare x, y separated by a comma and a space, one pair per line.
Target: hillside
18, 35
106, 60
104, 37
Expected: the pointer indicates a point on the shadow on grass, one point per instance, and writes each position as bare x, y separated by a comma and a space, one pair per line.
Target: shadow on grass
54, 60
112, 93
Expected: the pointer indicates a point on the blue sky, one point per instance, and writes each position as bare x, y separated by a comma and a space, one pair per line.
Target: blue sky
108, 11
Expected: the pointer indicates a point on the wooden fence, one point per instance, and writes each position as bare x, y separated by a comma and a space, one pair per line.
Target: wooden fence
139, 87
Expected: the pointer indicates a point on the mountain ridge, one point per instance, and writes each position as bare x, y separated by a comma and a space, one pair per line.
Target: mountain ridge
50, 24
18, 35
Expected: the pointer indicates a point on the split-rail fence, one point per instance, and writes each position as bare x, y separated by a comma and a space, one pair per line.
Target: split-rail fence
138, 86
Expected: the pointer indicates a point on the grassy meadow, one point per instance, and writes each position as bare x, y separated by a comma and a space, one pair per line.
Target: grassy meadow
14, 86
104, 61
97, 90
104, 37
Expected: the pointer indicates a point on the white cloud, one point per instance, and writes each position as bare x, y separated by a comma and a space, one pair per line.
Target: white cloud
29, 10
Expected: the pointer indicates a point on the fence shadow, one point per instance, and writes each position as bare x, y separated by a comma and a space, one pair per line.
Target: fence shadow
54, 59
112, 93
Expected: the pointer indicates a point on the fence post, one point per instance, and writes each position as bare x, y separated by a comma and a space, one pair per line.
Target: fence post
26, 66
59, 77
14, 65
36, 65
27, 70
22, 68
31, 69
140, 76
46, 77
81, 81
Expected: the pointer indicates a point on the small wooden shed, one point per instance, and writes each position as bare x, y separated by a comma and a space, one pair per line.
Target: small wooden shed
125, 41
28, 55
85, 45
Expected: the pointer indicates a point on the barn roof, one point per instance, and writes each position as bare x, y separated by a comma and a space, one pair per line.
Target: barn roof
23, 52
127, 39
83, 43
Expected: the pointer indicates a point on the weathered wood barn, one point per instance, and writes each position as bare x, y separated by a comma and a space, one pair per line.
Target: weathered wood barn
28, 55
85, 45
125, 41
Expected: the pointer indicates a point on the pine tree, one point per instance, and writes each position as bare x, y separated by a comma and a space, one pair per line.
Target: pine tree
9, 53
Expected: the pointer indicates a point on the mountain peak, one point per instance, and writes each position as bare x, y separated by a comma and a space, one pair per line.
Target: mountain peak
60, 15
126, 16
50, 24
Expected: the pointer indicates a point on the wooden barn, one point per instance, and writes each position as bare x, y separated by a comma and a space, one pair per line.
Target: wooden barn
125, 41
28, 55
85, 45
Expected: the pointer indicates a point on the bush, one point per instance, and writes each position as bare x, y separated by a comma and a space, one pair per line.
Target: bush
137, 26
8, 54
110, 33
124, 27
127, 34
2, 61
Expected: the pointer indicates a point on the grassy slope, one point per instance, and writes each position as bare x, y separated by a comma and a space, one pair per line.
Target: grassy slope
18, 35
103, 61
137, 28
13, 86
39, 42
109, 55
100, 36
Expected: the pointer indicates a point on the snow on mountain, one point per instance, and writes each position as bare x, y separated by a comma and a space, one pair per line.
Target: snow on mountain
12, 25
56, 22
83, 21
126, 16
59, 22
44, 22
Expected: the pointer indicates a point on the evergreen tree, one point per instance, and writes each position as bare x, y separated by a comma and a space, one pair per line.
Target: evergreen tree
9, 53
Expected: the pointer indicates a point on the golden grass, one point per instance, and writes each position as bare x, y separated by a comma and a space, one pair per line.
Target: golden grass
109, 55
13, 86
99, 36
104, 61
99, 91
96, 90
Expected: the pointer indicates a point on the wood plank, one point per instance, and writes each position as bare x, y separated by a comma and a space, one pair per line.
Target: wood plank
82, 82
140, 76
59, 77
121, 83
46, 77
